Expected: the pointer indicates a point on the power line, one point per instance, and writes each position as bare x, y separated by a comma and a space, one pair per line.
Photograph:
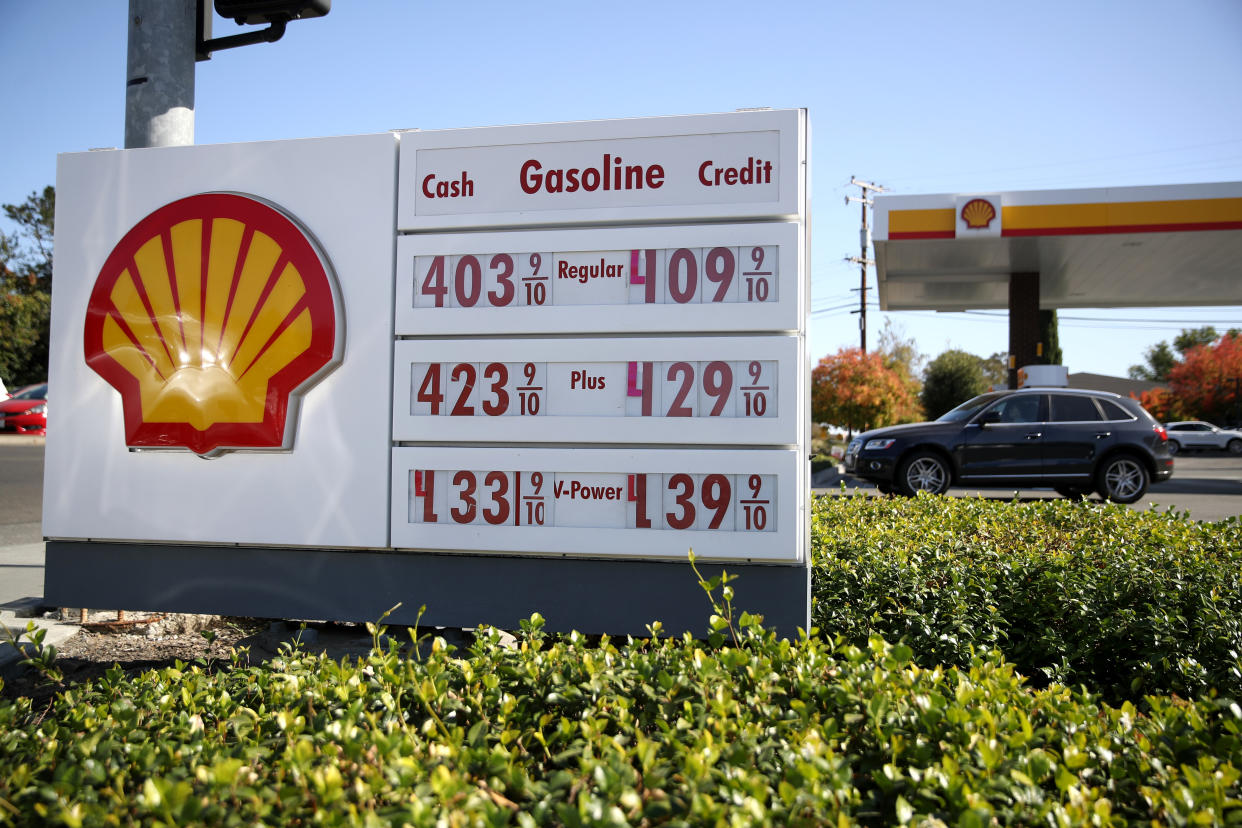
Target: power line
1093, 161
1117, 324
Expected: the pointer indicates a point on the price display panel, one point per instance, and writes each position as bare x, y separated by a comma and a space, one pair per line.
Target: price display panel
719, 390
600, 502
711, 278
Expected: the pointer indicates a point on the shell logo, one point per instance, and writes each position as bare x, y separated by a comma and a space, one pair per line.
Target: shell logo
978, 213
211, 317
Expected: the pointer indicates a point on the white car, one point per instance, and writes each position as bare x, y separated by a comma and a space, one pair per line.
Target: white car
1196, 434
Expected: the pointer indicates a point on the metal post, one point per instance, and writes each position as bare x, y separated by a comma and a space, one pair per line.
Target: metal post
862, 285
159, 72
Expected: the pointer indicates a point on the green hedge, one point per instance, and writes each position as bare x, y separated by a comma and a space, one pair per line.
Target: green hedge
569, 732
837, 727
1124, 602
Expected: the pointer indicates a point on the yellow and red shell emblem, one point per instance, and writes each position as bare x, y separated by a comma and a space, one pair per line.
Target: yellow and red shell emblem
210, 317
978, 213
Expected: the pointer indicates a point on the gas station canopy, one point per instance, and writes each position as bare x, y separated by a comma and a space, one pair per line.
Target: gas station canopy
1107, 247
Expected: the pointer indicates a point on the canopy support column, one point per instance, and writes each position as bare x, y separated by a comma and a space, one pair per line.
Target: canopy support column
1023, 323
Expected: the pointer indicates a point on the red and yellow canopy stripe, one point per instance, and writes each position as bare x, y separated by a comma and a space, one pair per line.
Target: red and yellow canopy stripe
1079, 219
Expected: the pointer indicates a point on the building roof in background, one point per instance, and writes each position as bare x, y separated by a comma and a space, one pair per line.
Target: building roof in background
1118, 385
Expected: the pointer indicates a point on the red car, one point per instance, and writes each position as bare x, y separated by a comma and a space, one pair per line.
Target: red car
25, 412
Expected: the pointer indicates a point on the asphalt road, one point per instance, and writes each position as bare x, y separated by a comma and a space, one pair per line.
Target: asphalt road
21, 516
1208, 486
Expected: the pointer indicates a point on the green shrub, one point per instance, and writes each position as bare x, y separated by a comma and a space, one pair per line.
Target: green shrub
837, 727
562, 731
1121, 601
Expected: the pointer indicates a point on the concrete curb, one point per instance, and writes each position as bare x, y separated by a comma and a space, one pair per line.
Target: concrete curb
14, 623
828, 478
21, 440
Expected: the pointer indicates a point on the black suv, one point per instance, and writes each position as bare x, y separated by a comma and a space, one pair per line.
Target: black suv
1074, 441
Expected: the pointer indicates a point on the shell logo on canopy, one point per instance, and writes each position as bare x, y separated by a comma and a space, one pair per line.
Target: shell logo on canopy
978, 213
212, 317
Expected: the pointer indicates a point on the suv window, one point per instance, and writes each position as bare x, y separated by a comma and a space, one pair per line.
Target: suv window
1017, 409
1067, 408
1112, 411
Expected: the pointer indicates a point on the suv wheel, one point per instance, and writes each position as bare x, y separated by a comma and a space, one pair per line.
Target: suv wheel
1174, 447
923, 472
1122, 479
1234, 446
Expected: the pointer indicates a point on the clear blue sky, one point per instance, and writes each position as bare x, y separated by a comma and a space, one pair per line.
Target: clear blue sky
921, 97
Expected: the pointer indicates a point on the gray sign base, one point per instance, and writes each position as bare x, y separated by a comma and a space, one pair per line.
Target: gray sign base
591, 596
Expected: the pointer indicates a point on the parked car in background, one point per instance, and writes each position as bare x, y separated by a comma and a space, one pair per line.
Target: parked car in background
25, 412
1196, 434
1071, 440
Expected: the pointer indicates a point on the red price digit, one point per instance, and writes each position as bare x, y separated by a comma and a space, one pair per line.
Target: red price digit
504, 263
756, 278
720, 267
679, 407
755, 510
536, 290
500, 483
468, 281
499, 375
718, 382
429, 389
535, 509
463, 371
754, 396
638, 493
684, 519
469, 508
434, 284
648, 273
717, 494
683, 276
528, 395
425, 487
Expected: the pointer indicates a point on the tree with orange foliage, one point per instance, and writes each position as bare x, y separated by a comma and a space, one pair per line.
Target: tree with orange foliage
1161, 404
858, 390
1208, 381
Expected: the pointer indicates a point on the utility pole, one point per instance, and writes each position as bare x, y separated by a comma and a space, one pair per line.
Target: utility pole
864, 241
159, 73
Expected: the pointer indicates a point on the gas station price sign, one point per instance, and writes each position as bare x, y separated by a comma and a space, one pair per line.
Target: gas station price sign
734, 277
597, 501
639, 390
599, 340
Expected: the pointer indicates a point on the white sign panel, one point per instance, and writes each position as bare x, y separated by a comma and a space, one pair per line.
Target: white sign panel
708, 278
718, 390
739, 505
328, 487
703, 167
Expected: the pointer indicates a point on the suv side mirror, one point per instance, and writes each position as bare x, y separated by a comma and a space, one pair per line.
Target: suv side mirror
989, 418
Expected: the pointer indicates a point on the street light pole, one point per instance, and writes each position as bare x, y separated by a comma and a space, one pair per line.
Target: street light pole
159, 73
